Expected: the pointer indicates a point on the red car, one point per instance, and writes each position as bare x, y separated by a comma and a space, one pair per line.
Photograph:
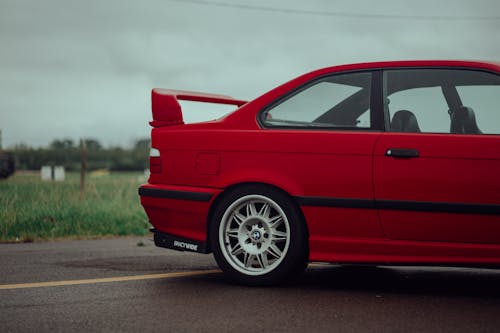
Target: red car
379, 163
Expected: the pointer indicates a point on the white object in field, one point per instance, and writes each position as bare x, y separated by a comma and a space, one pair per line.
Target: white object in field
143, 177
46, 172
59, 173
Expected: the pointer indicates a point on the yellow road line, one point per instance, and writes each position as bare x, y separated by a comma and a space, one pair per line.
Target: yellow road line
105, 280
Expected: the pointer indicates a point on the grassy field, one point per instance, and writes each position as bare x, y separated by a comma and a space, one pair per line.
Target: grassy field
31, 209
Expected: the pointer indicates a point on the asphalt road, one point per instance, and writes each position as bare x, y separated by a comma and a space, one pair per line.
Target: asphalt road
126, 287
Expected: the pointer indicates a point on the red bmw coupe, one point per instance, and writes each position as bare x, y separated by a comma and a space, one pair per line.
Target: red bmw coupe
378, 163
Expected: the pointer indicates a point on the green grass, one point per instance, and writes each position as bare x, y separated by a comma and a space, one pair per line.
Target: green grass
34, 210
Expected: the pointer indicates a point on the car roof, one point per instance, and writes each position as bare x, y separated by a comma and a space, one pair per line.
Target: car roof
478, 64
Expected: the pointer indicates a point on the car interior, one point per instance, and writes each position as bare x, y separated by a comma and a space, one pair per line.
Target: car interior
462, 118
346, 113
404, 121
463, 121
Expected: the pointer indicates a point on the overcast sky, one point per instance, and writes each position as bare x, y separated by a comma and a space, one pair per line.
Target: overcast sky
72, 69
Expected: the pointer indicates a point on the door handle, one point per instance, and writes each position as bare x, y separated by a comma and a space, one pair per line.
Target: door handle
402, 153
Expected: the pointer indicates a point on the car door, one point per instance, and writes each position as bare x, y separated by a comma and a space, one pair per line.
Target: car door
325, 133
437, 169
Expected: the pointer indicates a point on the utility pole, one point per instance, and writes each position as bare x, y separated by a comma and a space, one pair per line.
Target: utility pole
83, 169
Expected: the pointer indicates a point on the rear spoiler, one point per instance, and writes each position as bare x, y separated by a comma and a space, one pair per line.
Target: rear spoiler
167, 110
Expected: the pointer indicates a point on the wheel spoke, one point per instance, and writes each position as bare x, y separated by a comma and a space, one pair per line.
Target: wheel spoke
232, 233
237, 250
279, 236
262, 259
276, 221
251, 210
274, 251
248, 259
265, 210
238, 218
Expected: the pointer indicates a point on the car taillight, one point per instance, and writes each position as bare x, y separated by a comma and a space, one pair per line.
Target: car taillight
154, 161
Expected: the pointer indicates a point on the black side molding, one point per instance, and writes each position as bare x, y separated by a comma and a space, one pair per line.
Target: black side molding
440, 207
336, 202
437, 207
170, 194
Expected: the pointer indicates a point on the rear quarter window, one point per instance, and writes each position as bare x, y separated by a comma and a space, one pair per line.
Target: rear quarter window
337, 101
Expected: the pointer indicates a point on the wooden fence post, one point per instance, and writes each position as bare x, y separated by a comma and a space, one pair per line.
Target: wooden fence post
83, 168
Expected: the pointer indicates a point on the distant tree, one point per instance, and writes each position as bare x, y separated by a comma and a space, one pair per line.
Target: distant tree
142, 144
21, 146
65, 152
93, 144
62, 144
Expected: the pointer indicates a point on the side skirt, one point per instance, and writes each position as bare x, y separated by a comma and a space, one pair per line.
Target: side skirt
385, 251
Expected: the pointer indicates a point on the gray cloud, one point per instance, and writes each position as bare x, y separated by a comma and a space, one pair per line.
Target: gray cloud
85, 68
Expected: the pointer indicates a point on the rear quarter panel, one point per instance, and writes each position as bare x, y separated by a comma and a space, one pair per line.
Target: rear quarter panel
327, 164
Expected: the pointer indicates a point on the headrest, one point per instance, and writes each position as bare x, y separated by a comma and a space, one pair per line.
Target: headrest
404, 121
463, 121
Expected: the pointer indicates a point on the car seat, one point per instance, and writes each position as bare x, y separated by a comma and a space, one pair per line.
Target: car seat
404, 121
463, 121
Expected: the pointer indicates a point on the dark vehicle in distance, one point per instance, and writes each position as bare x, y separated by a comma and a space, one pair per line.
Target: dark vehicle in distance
7, 164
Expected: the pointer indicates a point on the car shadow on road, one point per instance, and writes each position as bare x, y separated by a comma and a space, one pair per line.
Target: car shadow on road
408, 280
459, 282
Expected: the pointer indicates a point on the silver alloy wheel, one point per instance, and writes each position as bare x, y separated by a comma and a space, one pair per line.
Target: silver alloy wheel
254, 235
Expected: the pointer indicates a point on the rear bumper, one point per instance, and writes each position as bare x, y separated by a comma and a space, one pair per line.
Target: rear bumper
179, 215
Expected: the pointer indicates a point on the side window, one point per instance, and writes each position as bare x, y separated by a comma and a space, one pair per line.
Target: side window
337, 101
419, 110
456, 101
485, 101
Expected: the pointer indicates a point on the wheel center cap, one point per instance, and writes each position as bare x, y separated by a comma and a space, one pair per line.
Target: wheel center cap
256, 235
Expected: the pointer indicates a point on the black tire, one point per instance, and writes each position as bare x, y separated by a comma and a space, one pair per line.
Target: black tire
258, 236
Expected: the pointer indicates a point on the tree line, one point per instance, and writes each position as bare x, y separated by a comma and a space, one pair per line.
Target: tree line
67, 153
